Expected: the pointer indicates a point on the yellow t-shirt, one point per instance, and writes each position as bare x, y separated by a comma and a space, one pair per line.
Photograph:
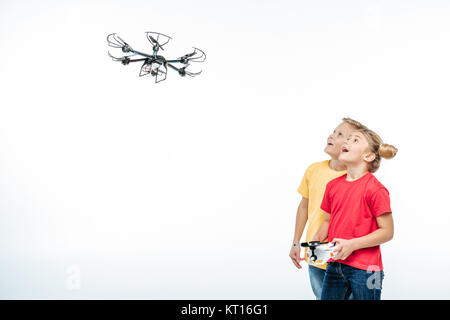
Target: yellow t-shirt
313, 187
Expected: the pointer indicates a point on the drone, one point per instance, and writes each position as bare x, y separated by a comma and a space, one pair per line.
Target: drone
155, 64
318, 252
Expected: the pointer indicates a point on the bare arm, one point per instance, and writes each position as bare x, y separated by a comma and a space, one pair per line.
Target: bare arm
300, 222
384, 233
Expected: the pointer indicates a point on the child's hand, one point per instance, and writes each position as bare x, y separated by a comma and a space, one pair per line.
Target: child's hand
344, 248
295, 255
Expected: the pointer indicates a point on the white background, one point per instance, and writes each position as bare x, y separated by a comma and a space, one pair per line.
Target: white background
186, 189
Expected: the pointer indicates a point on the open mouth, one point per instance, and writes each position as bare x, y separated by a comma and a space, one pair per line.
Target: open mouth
344, 149
329, 143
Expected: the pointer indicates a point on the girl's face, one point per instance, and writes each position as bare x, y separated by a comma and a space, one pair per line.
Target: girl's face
337, 138
356, 149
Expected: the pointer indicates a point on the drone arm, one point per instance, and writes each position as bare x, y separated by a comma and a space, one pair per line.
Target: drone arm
182, 71
184, 59
141, 54
173, 67
137, 60
196, 56
175, 61
126, 59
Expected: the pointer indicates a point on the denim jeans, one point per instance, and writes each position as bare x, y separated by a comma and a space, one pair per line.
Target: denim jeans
342, 280
316, 276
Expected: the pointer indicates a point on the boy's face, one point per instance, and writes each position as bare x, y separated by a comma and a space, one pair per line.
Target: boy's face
356, 149
337, 138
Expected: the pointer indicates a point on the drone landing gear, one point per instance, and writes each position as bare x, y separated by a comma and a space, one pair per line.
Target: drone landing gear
312, 245
154, 68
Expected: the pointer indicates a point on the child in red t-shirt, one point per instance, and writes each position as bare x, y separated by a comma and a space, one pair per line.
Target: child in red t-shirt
358, 218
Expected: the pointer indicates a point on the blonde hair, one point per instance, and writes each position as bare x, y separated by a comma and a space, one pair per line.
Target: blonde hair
356, 124
378, 147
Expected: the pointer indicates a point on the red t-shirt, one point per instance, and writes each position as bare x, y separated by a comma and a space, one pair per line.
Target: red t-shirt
354, 207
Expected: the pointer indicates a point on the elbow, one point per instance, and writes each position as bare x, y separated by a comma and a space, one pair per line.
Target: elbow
390, 235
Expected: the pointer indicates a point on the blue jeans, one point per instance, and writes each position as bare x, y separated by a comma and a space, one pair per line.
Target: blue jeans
342, 280
316, 276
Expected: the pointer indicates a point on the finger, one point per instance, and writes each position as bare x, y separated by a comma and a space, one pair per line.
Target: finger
338, 254
300, 259
343, 255
296, 263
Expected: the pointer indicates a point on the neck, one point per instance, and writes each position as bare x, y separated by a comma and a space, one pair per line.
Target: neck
336, 165
356, 171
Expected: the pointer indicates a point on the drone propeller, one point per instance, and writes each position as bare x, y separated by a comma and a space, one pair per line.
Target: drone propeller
115, 41
192, 74
155, 42
182, 71
125, 60
156, 45
200, 58
196, 56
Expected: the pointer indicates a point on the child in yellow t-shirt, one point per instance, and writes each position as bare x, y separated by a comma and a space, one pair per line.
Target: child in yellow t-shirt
312, 189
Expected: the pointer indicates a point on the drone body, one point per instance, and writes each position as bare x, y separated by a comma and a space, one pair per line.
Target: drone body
318, 252
155, 64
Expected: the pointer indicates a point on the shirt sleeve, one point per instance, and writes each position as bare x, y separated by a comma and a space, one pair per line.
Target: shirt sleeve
380, 202
326, 203
303, 189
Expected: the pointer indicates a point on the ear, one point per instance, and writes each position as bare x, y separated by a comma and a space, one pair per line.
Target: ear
369, 157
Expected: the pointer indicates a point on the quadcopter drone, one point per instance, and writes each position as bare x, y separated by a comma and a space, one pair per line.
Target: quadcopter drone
154, 64
318, 252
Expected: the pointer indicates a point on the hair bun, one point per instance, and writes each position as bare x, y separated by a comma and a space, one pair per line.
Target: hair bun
387, 151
